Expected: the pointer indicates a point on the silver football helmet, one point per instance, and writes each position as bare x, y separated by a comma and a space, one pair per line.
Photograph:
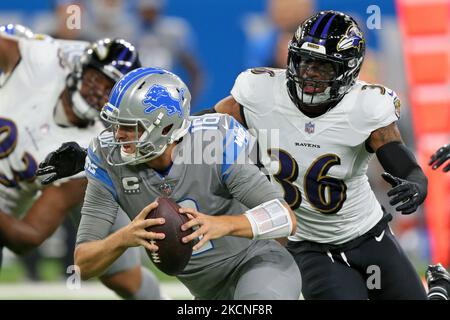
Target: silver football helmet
154, 102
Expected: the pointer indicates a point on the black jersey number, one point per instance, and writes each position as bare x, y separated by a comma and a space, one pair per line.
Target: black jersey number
326, 194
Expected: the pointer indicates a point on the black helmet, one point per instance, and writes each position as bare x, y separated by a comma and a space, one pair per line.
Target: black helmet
331, 43
113, 58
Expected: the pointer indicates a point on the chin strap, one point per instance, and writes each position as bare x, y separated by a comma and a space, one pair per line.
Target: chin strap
82, 109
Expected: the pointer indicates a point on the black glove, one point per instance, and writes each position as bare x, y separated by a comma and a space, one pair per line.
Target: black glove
404, 191
439, 157
66, 161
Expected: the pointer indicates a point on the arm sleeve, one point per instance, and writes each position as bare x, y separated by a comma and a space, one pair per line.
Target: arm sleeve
98, 213
399, 161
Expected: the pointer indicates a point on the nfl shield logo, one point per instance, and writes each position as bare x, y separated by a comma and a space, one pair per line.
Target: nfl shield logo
309, 127
165, 189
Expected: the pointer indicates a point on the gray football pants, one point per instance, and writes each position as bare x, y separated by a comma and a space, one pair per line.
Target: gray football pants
267, 272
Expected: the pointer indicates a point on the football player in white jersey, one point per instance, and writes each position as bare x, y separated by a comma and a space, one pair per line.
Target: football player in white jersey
51, 92
330, 125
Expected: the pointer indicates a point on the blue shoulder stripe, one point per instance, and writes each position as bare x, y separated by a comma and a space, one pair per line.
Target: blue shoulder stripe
93, 170
93, 156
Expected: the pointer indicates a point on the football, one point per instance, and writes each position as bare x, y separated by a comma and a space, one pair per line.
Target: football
173, 255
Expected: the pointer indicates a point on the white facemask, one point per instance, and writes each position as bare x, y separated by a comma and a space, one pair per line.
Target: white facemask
60, 115
82, 109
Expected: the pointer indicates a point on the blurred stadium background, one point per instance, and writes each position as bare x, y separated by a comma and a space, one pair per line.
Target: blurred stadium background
208, 43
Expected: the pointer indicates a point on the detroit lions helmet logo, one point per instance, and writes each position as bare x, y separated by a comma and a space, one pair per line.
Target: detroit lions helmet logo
158, 97
353, 38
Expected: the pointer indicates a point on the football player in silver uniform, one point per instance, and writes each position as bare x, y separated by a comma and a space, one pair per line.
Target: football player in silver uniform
154, 147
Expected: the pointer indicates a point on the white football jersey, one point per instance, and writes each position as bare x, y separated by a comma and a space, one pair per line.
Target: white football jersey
28, 131
321, 162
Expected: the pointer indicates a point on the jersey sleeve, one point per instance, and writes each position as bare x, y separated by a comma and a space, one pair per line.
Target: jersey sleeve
42, 61
253, 89
98, 213
95, 168
239, 172
376, 107
100, 204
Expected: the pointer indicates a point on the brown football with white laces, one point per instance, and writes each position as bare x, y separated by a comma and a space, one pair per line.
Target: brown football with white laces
173, 255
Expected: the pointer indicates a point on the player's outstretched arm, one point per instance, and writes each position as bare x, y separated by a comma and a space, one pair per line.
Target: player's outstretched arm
66, 161
409, 183
247, 225
93, 257
439, 157
43, 218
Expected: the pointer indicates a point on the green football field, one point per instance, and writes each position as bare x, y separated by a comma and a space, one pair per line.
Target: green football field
53, 284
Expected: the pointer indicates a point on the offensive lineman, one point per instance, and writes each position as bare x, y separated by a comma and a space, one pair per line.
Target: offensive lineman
149, 151
51, 92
